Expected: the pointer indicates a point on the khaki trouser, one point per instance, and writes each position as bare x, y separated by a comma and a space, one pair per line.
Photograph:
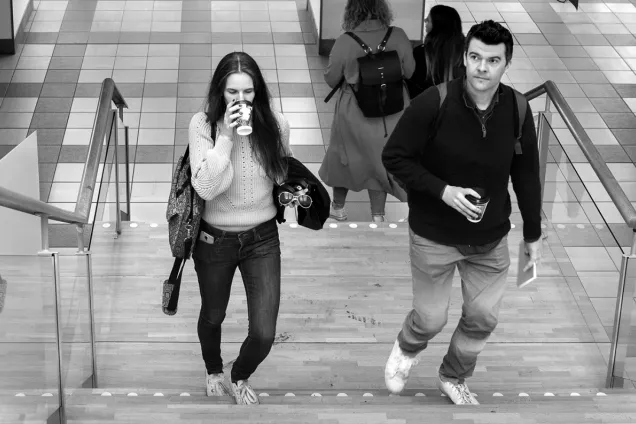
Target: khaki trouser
483, 285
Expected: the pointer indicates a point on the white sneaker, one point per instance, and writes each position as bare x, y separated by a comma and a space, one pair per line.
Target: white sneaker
244, 394
398, 367
215, 385
458, 393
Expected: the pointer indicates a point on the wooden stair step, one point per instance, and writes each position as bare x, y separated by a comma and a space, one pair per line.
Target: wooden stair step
88, 405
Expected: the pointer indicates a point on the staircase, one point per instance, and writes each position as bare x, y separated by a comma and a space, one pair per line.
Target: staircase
345, 291
335, 407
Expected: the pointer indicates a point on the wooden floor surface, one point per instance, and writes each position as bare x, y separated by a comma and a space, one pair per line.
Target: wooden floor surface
345, 292
83, 408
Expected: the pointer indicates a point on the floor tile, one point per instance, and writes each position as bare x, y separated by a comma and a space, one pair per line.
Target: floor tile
298, 104
152, 172
68, 172
19, 104
74, 154
79, 137
15, 120
148, 136
309, 154
150, 192
12, 136
64, 192
57, 90
154, 154
50, 136
49, 154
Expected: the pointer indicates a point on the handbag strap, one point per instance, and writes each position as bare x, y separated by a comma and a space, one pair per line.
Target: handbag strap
177, 270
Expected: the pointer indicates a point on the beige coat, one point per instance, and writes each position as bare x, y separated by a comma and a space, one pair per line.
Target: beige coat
354, 156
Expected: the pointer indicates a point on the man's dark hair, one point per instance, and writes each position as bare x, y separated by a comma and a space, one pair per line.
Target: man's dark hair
491, 33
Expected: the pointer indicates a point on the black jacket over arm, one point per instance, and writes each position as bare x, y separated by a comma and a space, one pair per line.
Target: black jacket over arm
459, 155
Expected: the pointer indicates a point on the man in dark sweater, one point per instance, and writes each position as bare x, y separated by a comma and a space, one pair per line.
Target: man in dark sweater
471, 145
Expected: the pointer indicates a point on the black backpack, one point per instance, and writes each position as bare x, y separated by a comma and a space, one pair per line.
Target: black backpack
380, 84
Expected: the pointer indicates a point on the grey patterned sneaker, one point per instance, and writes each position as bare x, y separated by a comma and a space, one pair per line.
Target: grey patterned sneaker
215, 385
458, 393
244, 394
337, 214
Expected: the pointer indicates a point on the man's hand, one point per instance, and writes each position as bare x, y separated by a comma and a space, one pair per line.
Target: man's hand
534, 250
455, 197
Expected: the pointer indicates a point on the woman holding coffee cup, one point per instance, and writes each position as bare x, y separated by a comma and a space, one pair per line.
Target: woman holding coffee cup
237, 150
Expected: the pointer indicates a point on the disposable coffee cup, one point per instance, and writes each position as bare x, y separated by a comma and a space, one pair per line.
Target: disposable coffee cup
244, 122
480, 203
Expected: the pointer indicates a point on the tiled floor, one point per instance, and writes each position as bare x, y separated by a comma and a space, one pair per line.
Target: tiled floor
161, 55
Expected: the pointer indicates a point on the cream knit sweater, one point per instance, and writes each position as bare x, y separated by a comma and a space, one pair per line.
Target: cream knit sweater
226, 174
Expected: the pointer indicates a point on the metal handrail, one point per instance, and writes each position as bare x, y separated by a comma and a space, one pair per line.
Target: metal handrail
20, 202
17, 201
592, 154
109, 94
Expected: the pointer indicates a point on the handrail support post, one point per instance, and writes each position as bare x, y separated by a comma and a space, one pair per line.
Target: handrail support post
44, 233
79, 228
621, 332
115, 131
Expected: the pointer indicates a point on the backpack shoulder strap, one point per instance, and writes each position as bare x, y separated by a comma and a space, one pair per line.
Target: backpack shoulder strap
385, 40
333, 91
443, 91
362, 44
522, 108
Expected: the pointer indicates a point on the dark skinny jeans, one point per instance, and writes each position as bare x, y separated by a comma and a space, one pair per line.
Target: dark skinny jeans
256, 253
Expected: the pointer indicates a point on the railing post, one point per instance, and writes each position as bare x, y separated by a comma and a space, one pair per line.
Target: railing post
621, 332
114, 130
44, 232
59, 331
126, 145
79, 228
91, 312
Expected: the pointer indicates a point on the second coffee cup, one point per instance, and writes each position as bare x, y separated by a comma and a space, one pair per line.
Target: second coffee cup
480, 203
244, 122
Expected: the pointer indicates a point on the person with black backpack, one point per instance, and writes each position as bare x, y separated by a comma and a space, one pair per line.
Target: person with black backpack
456, 148
367, 68
441, 57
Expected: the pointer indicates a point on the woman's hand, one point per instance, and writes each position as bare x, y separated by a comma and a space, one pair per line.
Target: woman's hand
229, 119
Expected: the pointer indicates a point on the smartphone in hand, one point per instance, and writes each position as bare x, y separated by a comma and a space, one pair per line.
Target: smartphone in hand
525, 277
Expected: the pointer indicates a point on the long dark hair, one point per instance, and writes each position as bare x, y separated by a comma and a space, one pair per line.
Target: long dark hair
265, 140
444, 44
358, 11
